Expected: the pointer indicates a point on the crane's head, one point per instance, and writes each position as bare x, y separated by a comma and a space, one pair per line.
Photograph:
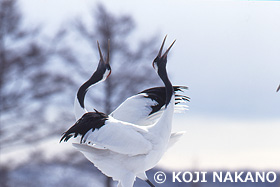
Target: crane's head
161, 60
104, 66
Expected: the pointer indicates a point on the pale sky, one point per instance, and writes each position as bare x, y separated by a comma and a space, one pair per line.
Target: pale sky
227, 52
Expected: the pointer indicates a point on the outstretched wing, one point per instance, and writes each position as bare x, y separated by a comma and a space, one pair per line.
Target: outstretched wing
146, 107
102, 132
88, 122
119, 137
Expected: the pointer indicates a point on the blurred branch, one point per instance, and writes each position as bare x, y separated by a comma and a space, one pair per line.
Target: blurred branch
28, 86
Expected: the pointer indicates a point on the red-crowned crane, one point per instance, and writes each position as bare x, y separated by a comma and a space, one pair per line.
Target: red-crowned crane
119, 148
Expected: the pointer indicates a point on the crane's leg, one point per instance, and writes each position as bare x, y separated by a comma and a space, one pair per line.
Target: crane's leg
144, 177
150, 183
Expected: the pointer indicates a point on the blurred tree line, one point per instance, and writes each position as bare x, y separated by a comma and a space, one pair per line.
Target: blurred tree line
39, 76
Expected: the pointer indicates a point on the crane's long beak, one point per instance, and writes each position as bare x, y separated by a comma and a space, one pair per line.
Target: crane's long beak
161, 48
108, 53
100, 53
166, 52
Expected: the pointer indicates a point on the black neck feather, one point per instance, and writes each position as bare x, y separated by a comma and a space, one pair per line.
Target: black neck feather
95, 78
168, 86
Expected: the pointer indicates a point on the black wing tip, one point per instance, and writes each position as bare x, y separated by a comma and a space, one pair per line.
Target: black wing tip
158, 94
179, 97
161, 88
180, 88
89, 121
65, 137
182, 97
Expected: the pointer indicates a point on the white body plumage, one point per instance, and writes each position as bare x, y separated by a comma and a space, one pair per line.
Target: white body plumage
120, 146
134, 137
